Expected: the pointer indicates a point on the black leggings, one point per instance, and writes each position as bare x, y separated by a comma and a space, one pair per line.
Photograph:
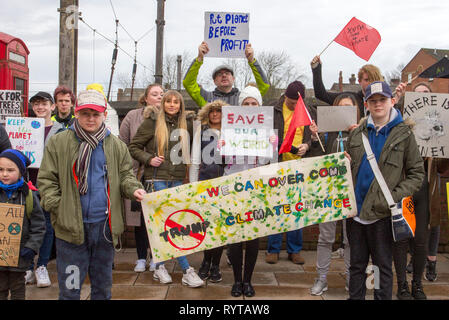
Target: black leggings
236, 258
141, 236
213, 256
419, 252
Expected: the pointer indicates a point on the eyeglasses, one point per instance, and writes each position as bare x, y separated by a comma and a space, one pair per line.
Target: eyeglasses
222, 73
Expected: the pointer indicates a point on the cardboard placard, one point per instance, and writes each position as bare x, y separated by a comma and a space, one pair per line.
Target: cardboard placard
11, 221
27, 135
430, 112
10, 102
247, 205
226, 33
246, 131
335, 118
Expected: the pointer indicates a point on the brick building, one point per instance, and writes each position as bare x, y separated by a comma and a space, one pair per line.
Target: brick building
420, 62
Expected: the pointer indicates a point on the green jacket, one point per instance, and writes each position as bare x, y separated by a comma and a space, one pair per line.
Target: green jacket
143, 148
202, 97
401, 165
59, 192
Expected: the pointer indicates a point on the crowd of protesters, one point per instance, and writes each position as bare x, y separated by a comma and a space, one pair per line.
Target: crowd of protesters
74, 202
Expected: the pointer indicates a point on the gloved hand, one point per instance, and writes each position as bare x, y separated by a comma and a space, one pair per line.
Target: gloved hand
27, 253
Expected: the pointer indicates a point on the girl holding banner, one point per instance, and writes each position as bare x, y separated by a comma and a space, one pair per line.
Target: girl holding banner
250, 96
334, 142
207, 164
153, 147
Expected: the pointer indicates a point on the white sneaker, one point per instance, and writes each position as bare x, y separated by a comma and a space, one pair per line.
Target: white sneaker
140, 265
152, 265
162, 275
191, 279
29, 277
319, 287
42, 278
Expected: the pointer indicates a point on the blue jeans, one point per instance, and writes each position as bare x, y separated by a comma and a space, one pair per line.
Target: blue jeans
47, 244
94, 257
294, 242
161, 185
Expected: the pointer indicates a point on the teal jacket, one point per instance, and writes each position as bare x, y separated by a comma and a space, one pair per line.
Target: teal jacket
202, 97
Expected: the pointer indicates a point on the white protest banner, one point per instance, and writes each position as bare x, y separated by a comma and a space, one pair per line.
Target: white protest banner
27, 135
226, 33
335, 118
430, 112
246, 131
10, 102
247, 205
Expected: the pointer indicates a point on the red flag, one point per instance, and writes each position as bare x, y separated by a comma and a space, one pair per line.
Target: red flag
301, 117
359, 37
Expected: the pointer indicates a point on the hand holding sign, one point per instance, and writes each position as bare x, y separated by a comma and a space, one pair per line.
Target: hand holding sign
249, 53
203, 49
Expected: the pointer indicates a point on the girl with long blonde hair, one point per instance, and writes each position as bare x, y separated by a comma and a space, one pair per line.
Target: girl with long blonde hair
162, 145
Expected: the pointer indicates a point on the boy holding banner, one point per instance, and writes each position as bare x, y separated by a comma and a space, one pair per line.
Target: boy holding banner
85, 172
400, 163
223, 77
14, 191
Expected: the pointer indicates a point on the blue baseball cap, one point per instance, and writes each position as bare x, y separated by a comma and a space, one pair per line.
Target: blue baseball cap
378, 87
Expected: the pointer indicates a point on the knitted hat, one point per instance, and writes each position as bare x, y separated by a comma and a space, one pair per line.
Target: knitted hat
250, 92
293, 89
21, 160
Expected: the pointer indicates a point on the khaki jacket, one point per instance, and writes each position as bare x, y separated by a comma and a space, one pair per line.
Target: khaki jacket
400, 163
59, 192
143, 148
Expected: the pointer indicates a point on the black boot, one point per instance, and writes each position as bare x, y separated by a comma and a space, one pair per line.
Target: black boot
203, 272
215, 274
417, 291
431, 271
237, 289
403, 291
248, 290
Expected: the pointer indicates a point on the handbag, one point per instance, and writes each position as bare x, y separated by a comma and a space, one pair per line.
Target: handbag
148, 186
403, 220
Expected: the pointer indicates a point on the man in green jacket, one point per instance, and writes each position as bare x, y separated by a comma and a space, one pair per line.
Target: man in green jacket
223, 77
399, 160
84, 174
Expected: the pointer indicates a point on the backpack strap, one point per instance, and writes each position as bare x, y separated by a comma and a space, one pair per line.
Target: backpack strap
29, 203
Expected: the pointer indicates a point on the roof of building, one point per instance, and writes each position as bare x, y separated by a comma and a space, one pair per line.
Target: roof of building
437, 53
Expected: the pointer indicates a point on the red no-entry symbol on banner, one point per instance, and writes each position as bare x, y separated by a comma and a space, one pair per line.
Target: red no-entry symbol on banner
185, 237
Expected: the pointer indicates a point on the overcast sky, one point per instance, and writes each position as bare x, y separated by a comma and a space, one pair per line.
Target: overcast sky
300, 28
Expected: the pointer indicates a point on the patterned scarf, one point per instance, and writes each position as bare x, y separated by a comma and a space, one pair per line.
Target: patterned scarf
88, 143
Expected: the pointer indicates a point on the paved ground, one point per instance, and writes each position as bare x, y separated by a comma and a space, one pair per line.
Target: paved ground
282, 281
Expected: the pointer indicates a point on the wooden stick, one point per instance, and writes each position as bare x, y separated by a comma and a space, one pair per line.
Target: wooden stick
326, 47
322, 148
